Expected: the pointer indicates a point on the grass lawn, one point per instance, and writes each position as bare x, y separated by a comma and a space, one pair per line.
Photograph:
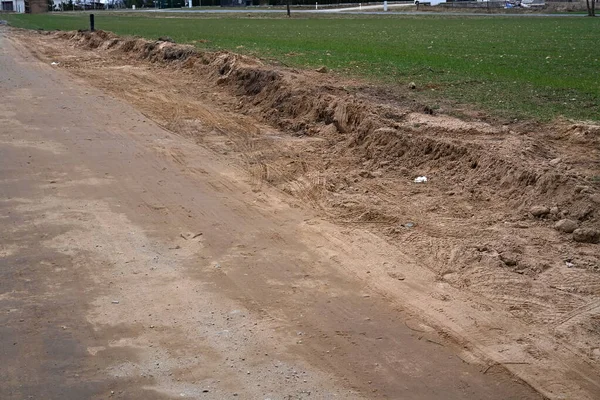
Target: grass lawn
537, 68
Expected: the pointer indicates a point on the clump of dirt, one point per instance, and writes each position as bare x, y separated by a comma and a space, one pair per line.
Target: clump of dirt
154, 51
484, 221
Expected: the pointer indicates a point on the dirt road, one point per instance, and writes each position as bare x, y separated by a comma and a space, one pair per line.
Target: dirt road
135, 264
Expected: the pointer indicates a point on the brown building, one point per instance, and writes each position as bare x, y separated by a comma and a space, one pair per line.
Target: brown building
36, 6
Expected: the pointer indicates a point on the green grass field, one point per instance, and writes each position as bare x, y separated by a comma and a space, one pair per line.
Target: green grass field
538, 68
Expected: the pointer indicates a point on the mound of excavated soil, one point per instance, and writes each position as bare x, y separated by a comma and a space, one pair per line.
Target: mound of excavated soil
477, 158
484, 221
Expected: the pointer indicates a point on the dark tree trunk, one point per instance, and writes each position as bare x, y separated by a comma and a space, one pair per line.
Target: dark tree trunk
288, 7
591, 7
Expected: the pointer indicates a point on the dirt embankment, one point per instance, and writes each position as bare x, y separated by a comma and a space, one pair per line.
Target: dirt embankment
526, 167
510, 212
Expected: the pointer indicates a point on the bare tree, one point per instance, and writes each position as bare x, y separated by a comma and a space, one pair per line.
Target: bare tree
591, 7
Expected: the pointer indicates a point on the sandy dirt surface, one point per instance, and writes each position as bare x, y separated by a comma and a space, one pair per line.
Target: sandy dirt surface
271, 244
